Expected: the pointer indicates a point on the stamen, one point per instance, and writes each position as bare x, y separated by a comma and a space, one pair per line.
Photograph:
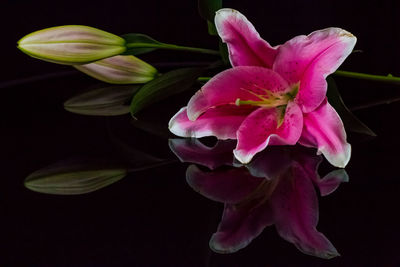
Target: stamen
268, 99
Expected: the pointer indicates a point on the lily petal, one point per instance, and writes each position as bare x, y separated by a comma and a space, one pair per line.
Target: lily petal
245, 46
310, 59
221, 122
192, 150
245, 83
295, 206
331, 181
226, 186
324, 129
270, 163
239, 226
261, 127
244, 217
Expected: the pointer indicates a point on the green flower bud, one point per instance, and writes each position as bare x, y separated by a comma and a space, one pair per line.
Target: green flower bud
120, 70
71, 44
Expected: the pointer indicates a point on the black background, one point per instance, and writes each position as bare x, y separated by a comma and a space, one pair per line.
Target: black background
153, 218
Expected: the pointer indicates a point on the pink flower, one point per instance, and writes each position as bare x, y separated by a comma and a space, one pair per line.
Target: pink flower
272, 95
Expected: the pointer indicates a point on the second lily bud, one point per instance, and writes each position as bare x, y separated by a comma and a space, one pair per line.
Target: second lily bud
120, 70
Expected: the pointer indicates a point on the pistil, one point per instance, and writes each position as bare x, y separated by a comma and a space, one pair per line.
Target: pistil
268, 103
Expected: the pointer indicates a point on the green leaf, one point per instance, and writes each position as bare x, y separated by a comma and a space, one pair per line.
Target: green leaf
74, 177
207, 8
139, 38
212, 30
106, 101
223, 50
168, 84
350, 121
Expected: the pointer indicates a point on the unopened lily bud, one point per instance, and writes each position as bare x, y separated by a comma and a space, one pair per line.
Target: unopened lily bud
71, 44
120, 70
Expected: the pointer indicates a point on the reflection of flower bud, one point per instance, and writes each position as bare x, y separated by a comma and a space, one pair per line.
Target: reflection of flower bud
73, 178
106, 101
71, 44
120, 70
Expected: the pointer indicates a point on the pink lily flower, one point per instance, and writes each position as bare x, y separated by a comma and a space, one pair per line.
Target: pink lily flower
272, 95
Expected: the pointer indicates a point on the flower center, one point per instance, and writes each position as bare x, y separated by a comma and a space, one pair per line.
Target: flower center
270, 99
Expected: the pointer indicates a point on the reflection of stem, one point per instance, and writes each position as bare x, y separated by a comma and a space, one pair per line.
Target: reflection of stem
153, 165
37, 78
370, 77
375, 103
173, 47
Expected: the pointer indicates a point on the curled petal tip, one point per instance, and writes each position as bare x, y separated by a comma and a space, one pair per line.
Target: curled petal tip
173, 125
226, 11
242, 157
340, 159
346, 34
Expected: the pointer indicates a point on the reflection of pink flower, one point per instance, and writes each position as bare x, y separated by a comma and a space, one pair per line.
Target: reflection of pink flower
276, 188
272, 95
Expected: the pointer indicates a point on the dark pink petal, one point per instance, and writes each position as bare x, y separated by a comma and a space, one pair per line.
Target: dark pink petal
295, 208
239, 226
331, 181
226, 87
246, 48
262, 125
309, 162
227, 186
289, 131
192, 150
221, 122
271, 163
309, 59
307, 158
324, 129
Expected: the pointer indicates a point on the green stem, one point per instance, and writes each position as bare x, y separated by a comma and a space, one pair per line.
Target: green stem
173, 47
203, 79
370, 77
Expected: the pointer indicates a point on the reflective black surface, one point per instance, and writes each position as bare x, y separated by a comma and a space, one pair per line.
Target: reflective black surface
153, 217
